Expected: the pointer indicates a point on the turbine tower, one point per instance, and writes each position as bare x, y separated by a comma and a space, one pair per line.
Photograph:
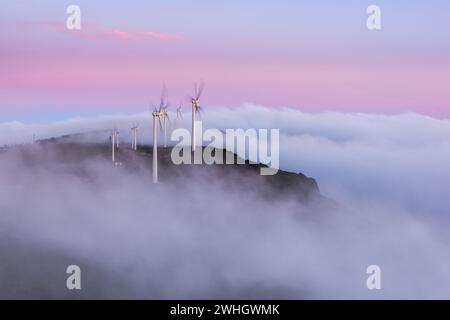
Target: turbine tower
134, 130
114, 139
132, 137
157, 115
195, 111
135, 136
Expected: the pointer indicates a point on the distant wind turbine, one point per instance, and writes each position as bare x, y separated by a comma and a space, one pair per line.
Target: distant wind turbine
195, 100
134, 130
114, 139
179, 113
132, 138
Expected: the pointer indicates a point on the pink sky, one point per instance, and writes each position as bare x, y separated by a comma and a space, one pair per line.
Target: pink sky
119, 68
63, 78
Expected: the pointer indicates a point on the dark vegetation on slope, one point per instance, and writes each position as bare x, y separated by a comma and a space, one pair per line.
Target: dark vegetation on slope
73, 155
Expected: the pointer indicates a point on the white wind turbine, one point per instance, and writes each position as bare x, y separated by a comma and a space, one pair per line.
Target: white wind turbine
157, 115
179, 113
134, 130
132, 137
114, 141
195, 110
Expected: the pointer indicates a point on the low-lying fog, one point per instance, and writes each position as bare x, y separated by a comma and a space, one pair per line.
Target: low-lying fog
194, 238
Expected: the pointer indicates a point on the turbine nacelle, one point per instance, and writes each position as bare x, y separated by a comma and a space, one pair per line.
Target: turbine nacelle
158, 113
196, 103
195, 100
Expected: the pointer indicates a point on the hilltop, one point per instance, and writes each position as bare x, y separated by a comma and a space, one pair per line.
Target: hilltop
74, 151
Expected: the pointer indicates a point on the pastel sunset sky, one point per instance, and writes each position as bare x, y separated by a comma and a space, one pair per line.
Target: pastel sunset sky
309, 55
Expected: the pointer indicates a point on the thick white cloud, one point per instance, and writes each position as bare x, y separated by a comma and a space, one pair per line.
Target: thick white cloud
390, 174
403, 159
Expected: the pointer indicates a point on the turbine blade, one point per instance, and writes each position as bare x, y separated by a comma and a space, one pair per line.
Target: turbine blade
200, 89
160, 124
163, 95
198, 112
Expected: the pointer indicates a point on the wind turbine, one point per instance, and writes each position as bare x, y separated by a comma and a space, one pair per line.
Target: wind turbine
179, 113
132, 137
114, 139
157, 115
134, 130
195, 110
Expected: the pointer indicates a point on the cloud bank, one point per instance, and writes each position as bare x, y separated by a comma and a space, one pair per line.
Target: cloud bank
389, 173
397, 158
